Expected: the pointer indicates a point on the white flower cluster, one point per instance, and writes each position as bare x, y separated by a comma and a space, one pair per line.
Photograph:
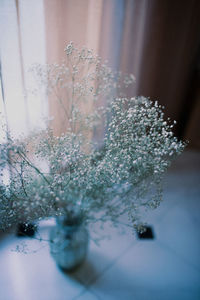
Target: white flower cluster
140, 146
58, 175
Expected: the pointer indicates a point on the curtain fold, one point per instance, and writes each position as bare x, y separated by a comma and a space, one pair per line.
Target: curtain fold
160, 46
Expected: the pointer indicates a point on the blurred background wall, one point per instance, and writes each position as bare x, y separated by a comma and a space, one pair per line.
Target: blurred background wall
157, 41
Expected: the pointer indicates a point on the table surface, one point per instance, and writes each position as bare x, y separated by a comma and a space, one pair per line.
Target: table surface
124, 267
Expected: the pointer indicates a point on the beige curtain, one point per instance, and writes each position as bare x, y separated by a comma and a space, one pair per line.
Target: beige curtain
157, 41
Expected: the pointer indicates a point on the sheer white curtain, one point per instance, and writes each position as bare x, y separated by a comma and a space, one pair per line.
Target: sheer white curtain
155, 40
22, 43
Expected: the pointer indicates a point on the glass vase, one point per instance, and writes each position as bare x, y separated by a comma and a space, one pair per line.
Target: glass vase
69, 242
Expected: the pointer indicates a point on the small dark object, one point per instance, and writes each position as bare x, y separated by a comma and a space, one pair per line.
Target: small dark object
24, 230
147, 234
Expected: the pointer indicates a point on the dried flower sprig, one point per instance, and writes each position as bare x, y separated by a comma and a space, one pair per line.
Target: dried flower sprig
52, 175
82, 86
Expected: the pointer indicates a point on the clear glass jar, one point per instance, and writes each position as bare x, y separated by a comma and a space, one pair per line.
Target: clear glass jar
69, 242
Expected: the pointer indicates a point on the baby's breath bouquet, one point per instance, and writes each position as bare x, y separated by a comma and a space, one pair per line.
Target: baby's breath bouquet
61, 170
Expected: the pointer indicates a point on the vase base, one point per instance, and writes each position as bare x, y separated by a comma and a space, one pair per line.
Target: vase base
71, 269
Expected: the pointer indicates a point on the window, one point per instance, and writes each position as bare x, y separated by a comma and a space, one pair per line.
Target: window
22, 39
